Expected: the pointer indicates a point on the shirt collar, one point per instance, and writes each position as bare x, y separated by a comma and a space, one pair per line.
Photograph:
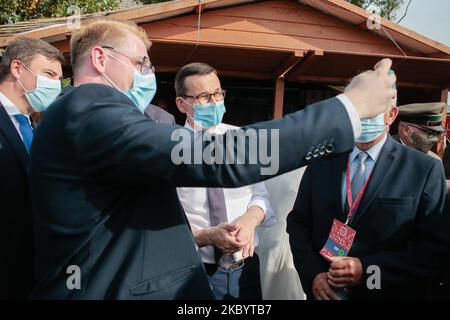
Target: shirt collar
373, 152
188, 126
10, 108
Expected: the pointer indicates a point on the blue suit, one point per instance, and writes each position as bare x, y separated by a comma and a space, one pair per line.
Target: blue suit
402, 222
16, 240
104, 198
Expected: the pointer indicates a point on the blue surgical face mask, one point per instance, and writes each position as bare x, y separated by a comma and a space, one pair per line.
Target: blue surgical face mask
46, 91
143, 89
371, 129
208, 115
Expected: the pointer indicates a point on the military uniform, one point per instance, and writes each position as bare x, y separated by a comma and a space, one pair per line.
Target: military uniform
423, 118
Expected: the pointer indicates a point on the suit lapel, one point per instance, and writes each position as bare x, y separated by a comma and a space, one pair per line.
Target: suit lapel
13, 137
379, 173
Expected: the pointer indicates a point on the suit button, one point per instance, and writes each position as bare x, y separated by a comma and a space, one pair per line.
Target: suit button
322, 150
308, 156
316, 153
329, 148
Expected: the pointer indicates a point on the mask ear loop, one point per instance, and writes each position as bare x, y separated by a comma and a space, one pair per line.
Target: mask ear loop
107, 78
20, 83
189, 116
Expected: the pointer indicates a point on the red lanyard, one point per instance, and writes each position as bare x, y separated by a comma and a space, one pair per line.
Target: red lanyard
353, 205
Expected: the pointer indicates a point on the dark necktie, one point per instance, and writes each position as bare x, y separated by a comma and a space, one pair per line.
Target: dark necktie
217, 211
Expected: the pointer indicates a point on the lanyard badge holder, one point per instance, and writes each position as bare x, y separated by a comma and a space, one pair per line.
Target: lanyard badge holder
340, 239
341, 236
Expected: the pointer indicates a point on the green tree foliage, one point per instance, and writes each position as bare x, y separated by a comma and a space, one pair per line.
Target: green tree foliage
21, 10
386, 8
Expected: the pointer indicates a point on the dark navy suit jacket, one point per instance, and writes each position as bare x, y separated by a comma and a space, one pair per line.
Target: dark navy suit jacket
402, 222
103, 186
16, 245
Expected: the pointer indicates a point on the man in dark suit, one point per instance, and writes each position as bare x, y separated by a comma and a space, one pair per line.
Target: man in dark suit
24, 60
401, 221
159, 115
108, 223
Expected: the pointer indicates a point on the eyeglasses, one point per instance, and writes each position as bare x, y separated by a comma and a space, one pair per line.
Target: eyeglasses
145, 65
430, 133
204, 98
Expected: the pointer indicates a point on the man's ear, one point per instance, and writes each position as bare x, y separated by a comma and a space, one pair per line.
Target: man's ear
392, 115
180, 104
98, 59
15, 68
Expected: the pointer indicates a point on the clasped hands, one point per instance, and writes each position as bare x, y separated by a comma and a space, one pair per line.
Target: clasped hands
344, 272
237, 235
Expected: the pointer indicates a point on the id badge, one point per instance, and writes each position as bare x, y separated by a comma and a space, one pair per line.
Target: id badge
339, 241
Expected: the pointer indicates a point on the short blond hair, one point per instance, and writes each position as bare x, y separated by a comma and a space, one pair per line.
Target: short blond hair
101, 31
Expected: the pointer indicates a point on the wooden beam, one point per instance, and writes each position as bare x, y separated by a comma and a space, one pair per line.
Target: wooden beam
222, 73
344, 81
288, 64
245, 74
279, 98
303, 65
223, 45
63, 46
391, 56
440, 148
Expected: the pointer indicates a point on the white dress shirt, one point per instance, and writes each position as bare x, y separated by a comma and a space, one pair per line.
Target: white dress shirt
352, 114
237, 201
373, 153
12, 110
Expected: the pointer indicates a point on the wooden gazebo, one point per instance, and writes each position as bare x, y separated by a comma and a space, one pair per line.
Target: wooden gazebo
284, 42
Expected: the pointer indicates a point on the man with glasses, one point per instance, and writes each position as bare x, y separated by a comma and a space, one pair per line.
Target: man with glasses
223, 220
108, 222
420, 126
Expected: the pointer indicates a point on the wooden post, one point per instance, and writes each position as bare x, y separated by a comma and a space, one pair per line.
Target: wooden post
279, 98
441, 144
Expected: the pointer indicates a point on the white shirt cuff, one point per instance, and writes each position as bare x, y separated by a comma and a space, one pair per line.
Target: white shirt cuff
352, 114
269, 216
